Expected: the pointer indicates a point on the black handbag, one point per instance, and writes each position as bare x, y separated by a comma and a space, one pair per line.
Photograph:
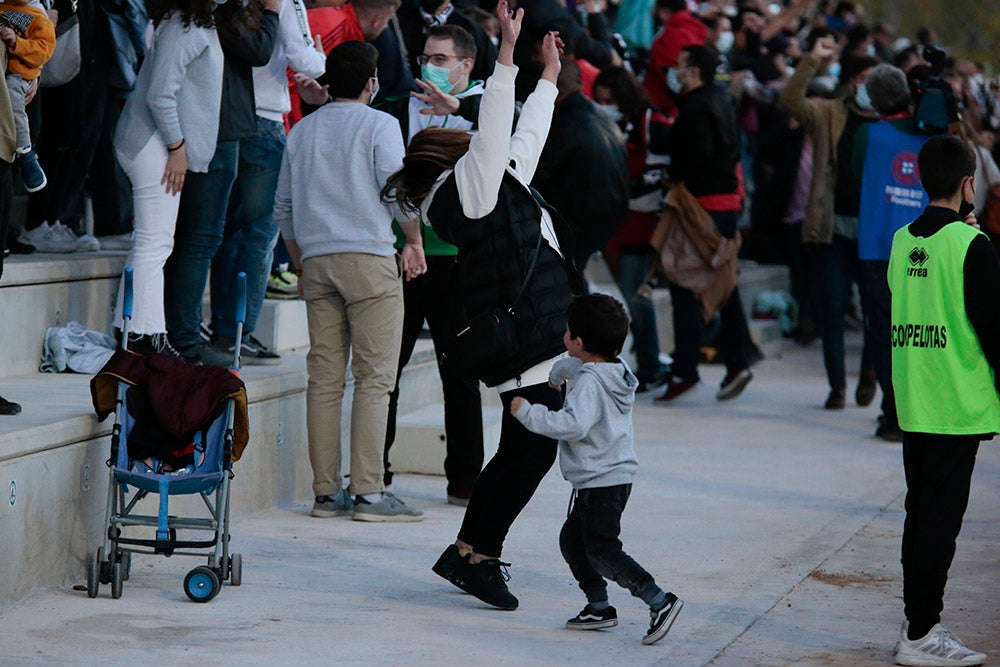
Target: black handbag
490, 338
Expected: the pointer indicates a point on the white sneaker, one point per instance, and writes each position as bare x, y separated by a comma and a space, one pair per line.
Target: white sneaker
119, 242
48, 238
939, 648
87, 243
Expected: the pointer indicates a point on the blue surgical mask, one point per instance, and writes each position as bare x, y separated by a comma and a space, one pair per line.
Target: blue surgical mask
871, 50
833, 69
862, 99
439, 76
673, 83
611, 111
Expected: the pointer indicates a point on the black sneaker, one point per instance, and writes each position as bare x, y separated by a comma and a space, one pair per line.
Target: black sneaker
486, 581
449, 561
8, 407
593, 619
204, 354
661, 619
252, 351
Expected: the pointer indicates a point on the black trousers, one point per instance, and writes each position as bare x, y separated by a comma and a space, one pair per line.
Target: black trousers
938, 475
509, 480
590, 544
427, 298
878, 326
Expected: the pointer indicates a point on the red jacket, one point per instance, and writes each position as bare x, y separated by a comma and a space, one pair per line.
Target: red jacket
682, 29
335, 25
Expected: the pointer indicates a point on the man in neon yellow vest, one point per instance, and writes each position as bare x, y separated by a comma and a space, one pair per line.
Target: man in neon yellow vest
944, 280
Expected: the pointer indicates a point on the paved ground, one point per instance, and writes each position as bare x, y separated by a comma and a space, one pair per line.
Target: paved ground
777, 522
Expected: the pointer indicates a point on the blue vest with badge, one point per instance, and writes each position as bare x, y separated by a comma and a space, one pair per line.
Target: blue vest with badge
891, 194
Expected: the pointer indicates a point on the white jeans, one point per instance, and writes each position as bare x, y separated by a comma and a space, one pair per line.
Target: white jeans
155, 220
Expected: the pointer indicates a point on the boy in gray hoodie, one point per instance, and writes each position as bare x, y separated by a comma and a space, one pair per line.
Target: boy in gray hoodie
597, 456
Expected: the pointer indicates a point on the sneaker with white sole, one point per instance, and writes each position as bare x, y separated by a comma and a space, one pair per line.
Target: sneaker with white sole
282, 284
390, 508
48, 239
87, 243
593, 619
339, 504
31, 172
938, 648
252, 351
661, 619
733, 384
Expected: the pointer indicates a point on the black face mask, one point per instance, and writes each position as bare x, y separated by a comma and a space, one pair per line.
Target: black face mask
965, 209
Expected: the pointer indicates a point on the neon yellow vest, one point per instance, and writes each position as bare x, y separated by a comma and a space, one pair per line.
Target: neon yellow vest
942, 380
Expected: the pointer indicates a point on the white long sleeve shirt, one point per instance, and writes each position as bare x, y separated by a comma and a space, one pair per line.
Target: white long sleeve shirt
294, 48
494, 152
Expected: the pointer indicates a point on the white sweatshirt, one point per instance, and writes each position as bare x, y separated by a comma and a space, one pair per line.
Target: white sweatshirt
294, 48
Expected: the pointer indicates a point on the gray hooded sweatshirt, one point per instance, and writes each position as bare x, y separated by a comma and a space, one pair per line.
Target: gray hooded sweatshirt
594, 427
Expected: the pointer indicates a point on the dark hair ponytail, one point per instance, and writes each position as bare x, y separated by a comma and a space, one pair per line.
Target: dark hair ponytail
431, 152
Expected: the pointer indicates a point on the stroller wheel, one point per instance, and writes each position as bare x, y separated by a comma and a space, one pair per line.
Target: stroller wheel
93, 578
201, 584
116, 581
103, 567
236, 569
125, 558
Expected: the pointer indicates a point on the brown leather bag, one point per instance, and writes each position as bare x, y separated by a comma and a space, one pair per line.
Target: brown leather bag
693, 253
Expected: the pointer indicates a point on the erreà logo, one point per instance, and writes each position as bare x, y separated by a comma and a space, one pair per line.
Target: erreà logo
918, 257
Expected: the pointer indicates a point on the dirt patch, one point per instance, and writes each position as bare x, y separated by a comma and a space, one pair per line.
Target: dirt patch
850, 579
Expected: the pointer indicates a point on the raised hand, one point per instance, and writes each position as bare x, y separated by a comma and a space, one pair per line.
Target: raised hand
441, 104
825, 47
510, 30
552, 48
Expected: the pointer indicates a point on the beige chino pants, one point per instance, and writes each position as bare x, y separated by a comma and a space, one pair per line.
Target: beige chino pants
354, 305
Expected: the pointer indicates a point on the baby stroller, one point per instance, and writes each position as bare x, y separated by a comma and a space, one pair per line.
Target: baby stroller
135, 475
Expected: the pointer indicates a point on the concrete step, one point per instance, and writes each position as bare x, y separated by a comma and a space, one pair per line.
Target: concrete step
420, 437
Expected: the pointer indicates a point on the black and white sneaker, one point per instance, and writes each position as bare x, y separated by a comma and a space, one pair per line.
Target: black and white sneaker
593, 619
486, 581
661, 620
252, 351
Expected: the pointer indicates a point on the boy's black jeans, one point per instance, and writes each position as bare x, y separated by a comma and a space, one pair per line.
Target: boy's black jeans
590, 545
938, 475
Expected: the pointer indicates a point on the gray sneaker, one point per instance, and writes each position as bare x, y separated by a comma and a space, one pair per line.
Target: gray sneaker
390, 508
330, 506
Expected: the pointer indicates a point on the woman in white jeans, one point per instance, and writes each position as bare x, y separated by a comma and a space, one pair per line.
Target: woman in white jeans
169, 126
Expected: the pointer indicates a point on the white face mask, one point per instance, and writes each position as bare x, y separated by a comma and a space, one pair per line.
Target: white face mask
725, 42
374, 90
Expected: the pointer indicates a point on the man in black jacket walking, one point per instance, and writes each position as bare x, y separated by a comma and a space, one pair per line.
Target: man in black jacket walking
583, 171
704, 153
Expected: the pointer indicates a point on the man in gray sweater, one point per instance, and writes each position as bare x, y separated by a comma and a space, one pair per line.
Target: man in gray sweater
597, 455
340, 238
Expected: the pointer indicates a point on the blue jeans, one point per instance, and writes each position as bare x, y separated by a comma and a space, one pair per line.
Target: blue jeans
837, 267
250, 231
735, 346
200, 221
633, 268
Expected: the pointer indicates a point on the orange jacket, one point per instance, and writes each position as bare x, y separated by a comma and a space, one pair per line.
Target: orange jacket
36, 39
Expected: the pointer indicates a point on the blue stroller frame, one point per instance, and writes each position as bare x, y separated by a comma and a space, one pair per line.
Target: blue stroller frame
209, 475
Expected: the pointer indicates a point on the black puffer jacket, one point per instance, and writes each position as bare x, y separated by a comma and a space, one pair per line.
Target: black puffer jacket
494, 254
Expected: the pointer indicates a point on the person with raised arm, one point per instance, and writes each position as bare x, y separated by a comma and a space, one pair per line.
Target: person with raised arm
516, 278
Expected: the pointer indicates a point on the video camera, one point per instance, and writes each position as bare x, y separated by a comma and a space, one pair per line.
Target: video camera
935, 108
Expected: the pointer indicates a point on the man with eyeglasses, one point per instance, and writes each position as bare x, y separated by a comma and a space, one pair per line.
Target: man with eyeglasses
417, 18
451, 100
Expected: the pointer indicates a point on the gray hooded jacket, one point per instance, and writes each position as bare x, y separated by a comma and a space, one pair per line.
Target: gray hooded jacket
594, 427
